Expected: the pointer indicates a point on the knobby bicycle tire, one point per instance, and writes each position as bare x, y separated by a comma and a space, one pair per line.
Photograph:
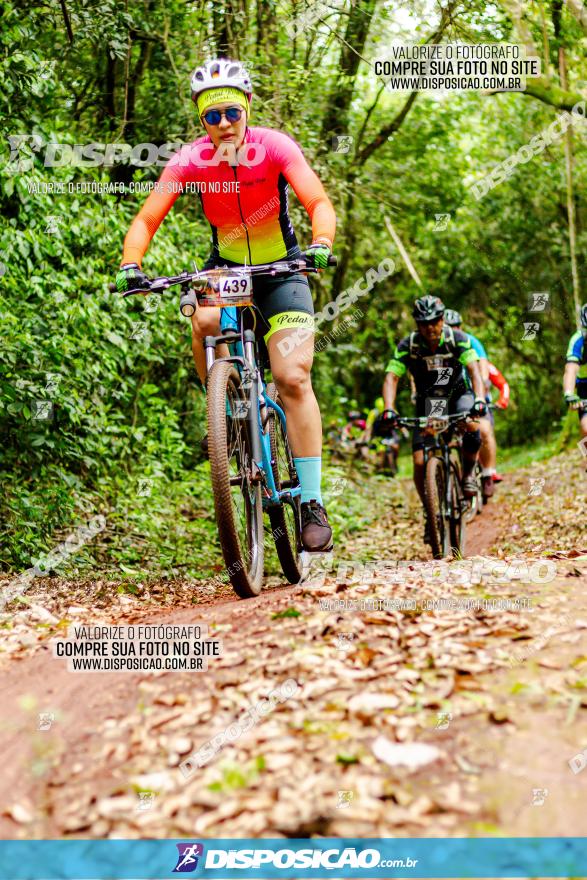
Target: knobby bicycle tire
434, 497
229, 441
285, 520
458, 521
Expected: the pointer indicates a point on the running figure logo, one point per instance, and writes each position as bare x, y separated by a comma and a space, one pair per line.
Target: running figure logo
187, 860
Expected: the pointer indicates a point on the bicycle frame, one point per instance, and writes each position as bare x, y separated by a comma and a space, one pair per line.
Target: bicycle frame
242, 345
443, 450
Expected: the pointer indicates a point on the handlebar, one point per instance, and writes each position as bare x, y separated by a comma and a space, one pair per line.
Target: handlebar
424, 421
201, 279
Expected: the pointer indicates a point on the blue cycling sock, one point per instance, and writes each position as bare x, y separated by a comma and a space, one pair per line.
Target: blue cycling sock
310, 473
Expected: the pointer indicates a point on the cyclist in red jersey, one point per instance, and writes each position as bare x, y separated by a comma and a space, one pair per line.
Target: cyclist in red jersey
242, 175
499, 381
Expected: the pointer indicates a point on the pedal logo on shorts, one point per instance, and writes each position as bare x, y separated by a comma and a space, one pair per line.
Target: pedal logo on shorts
188, 855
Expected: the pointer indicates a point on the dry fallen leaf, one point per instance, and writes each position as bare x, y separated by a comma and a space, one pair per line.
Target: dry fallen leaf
410, 755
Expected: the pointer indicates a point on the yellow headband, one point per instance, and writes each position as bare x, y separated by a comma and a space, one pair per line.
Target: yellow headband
220, 96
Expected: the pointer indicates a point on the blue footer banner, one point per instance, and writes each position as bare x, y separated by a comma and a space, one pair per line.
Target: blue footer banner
223, 859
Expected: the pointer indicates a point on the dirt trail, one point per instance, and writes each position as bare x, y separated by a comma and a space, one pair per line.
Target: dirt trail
499, 696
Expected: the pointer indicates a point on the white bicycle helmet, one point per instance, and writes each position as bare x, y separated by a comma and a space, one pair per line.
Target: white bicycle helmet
221, 73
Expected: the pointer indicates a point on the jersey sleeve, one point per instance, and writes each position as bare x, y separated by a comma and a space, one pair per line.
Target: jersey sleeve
306, 185
157, 205
477, 346
575, 348
465, 351
398, 361
499, 381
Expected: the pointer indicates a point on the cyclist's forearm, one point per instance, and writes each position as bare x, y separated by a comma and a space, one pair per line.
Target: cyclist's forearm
476, 379
323, 219
136, 242
147, 222
307, 186
570, 377
390, 390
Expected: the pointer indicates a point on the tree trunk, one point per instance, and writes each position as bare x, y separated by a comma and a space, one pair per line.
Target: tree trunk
336, 120
569, 166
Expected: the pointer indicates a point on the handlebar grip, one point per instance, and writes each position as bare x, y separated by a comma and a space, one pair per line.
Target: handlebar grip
112, 287
187, 303
332, 260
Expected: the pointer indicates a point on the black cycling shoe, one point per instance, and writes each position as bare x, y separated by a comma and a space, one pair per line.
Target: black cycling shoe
316, 533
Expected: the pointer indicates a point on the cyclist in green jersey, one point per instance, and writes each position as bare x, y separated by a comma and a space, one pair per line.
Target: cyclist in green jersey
435, 356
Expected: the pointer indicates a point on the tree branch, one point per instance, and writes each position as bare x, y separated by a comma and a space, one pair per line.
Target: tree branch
67, 21
539, 87
386, 131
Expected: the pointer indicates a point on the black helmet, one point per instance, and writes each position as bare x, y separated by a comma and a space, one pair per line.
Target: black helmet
452, 318
428, 308
584, 315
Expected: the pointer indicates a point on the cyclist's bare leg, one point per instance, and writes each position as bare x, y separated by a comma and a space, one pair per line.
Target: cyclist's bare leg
488, 451
205, 322
470, 458
292, 377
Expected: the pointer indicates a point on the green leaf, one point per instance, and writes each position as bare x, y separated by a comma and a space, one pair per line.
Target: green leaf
289, 612
346, 759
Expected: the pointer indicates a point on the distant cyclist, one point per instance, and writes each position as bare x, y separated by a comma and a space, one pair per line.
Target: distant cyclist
242, 176
499, 381
389, 438
488, 453
435, 356
575, 378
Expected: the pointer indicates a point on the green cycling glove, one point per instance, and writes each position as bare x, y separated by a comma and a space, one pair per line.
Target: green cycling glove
131, 277
572, 399
317, 255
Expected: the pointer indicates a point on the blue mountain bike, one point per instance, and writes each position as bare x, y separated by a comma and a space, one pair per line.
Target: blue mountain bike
251, 464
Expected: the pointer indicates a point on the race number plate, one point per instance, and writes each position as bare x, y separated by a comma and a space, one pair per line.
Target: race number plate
234, 285
437, 426
229, 289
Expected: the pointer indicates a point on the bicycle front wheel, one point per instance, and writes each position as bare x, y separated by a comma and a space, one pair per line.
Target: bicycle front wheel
237, 499
458, 521
434, 492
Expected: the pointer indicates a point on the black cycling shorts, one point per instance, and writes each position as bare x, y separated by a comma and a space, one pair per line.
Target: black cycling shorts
284, 303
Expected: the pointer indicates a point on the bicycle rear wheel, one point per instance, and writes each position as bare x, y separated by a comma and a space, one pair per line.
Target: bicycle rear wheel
285, 519
237, 500
434, 493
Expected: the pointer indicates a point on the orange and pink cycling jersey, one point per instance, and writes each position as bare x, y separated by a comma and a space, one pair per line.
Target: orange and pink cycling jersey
246, 204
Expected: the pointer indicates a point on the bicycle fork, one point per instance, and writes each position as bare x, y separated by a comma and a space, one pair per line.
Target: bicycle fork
254, 409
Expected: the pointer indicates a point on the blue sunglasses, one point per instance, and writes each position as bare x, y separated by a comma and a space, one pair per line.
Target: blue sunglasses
213, 117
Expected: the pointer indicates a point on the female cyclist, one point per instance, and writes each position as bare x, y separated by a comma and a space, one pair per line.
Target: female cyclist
242, 176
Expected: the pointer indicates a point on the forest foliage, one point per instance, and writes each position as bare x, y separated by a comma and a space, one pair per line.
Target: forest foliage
126, 405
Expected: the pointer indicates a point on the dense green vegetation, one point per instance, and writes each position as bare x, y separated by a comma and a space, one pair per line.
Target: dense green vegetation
127, 408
